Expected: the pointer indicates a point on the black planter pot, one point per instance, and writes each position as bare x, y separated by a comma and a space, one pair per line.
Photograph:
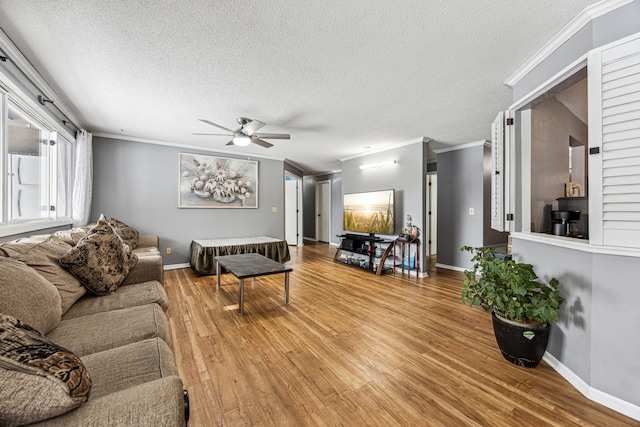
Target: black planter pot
522, 345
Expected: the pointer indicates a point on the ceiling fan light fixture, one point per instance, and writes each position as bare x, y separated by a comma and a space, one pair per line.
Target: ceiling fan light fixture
241, 140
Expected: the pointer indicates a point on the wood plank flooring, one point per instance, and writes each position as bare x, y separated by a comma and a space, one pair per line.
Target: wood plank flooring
355, 349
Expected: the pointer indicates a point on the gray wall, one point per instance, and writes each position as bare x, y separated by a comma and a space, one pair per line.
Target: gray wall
406, 178
464, 178
138, 184
596, 337
293, 169
309, 196
309, 207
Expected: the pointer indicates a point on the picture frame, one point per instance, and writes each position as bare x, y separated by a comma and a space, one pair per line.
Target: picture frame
217, 182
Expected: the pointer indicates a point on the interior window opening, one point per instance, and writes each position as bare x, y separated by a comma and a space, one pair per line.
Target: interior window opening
559, 163
27, 167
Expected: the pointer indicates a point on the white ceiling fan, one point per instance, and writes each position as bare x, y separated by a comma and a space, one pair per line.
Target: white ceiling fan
246, 133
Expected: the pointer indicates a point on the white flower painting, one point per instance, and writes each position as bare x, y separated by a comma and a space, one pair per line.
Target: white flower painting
217, 182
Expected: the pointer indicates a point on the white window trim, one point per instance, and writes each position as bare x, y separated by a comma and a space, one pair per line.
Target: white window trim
595, 140
15, 228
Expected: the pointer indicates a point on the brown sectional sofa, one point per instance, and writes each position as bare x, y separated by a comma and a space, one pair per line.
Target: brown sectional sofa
123, 338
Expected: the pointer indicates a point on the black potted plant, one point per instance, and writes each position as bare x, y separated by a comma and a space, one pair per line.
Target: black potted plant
522, 307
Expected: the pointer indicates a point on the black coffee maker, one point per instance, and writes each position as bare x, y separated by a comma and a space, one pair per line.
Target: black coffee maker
565, 223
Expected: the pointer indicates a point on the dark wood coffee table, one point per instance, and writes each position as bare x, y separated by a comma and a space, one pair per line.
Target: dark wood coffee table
252, 265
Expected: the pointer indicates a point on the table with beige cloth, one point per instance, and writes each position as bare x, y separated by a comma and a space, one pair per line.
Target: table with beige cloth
203, 252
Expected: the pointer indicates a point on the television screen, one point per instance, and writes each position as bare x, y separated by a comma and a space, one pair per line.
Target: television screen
371, 212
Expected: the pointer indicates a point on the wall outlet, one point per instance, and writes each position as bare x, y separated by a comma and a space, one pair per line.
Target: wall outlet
168, 251
472, 211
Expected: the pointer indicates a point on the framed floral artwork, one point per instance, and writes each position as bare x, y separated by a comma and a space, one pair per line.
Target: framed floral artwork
217, 182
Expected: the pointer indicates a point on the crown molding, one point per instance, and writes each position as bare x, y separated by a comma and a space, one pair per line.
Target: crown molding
576, 24
387, 148
462, 146
186, 146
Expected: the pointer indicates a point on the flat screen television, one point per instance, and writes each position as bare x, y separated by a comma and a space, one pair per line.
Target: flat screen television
370, 212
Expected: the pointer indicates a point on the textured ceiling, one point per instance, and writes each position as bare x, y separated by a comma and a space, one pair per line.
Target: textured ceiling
339, 76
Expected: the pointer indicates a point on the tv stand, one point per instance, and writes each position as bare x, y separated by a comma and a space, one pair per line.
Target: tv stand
364, 245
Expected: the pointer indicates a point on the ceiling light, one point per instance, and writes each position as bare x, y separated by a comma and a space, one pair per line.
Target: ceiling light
241, 140
378, 164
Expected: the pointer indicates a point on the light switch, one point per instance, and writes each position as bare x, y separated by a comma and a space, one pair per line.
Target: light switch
472, 211
274, 209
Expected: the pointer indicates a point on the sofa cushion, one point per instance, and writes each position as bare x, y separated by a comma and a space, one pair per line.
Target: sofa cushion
148, 268
44, 258
148, 240
38, 379
110, 329
127, 233
137, 363
154, 403
147, 251
100, 260
73, 235
124, 297
27, 295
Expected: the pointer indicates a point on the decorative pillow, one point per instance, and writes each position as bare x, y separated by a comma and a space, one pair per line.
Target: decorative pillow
128, 234
27, 295
100, 260
38, 379
43, 257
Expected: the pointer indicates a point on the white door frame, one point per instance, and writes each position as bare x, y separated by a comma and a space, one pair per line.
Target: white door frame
299, 208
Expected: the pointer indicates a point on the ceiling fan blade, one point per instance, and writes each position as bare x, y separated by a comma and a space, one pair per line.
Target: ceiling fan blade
260, 142
251, 127
272, 135
218, 126
230, 143
214, 134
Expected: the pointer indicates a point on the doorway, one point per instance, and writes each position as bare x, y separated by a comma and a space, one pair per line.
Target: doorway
431, 235
293, 209
323, 211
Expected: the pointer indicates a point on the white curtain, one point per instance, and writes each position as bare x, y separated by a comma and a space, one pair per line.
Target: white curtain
82, 180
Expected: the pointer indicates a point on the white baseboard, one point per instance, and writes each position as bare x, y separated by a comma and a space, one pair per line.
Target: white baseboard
419, 274
176, 266
612, 402
450, 267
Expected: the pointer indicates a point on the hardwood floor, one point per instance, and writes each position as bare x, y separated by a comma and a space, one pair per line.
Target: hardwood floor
355, 349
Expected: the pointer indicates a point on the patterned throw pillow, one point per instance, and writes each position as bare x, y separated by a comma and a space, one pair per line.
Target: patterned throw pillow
38, 379
128, 234
100, 260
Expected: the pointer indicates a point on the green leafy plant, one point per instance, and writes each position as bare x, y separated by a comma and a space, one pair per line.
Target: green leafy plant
509, 288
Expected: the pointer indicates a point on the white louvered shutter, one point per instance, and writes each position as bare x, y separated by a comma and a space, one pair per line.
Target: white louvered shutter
497, 173
620, 145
